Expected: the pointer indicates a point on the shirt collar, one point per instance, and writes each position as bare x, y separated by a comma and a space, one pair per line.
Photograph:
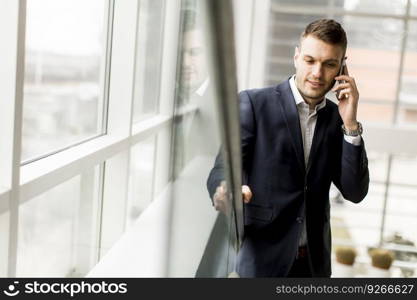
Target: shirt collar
203, 87
299, 99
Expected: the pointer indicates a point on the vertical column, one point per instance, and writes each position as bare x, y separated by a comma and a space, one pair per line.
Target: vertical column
12, 31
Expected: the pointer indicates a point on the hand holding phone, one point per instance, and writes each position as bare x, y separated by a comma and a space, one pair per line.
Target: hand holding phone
349, 97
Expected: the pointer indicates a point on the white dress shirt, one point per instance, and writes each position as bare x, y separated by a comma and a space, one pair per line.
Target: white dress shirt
308, 121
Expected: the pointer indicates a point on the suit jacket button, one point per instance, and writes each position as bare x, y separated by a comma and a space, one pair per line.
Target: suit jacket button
305, 188
299, 220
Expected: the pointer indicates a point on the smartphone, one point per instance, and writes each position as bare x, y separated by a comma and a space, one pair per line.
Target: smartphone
341, 72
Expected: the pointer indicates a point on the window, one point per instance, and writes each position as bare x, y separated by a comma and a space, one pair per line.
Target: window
403, 170
382, 57
375, 49
408, 92
401, 215
141, 181
196, 143
364, 229
148, 58
64, 74
414, 7
58, 229
396, 7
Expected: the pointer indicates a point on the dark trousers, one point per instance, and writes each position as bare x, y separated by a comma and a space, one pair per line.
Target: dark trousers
301, 267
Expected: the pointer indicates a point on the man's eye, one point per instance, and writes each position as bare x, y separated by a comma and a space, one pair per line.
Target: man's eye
309, 61
332, 65
195, 51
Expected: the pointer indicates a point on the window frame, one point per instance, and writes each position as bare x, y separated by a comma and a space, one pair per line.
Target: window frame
22, 182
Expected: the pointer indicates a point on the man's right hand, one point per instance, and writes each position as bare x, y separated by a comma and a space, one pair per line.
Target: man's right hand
220, 199
246, 194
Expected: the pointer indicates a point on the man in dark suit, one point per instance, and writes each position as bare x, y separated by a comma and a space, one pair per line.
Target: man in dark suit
295, 142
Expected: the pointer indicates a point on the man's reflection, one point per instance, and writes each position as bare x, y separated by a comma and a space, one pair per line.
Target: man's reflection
194, 74
196, 134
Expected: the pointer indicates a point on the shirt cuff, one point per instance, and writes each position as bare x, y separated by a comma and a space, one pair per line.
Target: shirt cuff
354, 140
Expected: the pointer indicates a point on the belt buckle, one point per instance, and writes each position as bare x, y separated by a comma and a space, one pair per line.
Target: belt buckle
302, 252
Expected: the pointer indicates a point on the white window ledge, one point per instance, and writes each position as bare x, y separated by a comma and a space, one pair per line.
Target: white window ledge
169, 238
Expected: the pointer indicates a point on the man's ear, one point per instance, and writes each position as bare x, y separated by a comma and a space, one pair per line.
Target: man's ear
296, 55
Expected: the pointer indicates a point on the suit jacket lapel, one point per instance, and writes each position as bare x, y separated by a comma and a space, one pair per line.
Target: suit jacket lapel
292, 119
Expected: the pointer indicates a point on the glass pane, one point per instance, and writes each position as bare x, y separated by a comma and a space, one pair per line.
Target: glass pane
375, 113
373, 51
301, 2
401, 215
403, 170
402, 201
374, 56
396, 7
284, 33
407, 114
414, 7
196, 143
363, 230
141, 178
384, 6
401, 222
375, 72
148, 58
378, 166
57, 229
64, 70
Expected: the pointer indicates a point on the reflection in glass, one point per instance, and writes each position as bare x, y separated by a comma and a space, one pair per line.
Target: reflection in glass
148, 58
57, 229
63, 98
197, 128
196, 144
141, 178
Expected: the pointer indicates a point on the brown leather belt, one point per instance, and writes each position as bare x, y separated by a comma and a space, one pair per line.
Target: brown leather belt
302, 252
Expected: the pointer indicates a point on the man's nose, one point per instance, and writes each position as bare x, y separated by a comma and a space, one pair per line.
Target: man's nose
317, 70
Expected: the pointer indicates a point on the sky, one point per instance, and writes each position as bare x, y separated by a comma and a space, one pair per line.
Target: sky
70, 27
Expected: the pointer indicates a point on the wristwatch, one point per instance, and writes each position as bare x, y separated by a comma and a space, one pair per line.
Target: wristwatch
352, 132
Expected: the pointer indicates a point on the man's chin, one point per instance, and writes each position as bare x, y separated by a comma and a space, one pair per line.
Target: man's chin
316, 94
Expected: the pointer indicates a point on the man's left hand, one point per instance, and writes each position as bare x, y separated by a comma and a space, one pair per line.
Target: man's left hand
348, 100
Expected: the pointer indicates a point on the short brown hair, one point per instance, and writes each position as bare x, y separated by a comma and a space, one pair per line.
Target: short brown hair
326, 30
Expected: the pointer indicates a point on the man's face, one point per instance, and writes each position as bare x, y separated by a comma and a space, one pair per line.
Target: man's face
317, 64
194, 68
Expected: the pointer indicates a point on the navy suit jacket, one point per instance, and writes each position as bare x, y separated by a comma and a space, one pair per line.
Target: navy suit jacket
286, 191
